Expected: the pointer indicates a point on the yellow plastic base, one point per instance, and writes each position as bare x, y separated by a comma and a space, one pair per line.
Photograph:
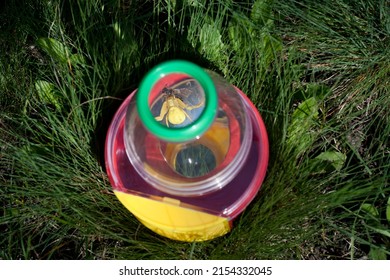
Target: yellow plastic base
167, 218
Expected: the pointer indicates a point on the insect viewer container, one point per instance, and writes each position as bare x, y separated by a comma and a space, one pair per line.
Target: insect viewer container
186, 152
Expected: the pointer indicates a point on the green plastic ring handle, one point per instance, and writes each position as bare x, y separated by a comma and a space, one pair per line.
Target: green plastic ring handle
191, 131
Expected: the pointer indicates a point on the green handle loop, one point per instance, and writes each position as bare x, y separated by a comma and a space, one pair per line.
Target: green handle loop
191, 131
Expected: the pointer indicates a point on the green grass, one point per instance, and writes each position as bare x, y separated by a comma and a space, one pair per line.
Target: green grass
318, 71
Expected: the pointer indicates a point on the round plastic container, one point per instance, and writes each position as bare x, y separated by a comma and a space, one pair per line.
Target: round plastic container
187, 152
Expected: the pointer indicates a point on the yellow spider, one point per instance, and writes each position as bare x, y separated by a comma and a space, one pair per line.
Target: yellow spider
173, 108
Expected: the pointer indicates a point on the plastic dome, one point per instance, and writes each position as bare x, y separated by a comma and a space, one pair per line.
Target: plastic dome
187, 132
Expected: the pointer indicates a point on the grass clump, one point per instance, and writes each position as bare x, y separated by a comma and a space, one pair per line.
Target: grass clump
317, 72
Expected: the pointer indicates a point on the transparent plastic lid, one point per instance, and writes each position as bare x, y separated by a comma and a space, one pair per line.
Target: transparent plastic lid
184, 136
